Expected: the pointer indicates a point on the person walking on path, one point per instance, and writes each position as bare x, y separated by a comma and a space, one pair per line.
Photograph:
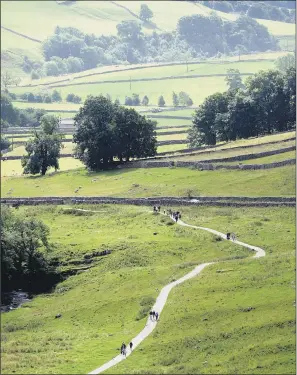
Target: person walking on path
131, 345
159, 208
123, 349
176, 218
151, 315
233, 237
156, 315
228, 236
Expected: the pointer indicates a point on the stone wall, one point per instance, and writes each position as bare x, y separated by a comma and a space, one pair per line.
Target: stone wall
200, 201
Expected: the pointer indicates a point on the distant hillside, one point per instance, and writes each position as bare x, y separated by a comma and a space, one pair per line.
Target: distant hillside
25, 25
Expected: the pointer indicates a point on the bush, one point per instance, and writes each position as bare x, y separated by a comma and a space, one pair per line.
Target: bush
34, 75
56, 96
47, 99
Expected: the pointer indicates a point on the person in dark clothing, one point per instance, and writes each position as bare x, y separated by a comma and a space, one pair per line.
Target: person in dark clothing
151, 315
156, 315
176, 218
131, 345
228, 236
123, 349
159, 208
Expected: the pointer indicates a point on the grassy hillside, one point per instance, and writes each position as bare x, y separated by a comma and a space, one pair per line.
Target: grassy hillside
156, 182
203, 327
25, 20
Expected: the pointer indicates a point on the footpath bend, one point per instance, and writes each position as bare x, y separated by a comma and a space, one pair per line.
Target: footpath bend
162, 297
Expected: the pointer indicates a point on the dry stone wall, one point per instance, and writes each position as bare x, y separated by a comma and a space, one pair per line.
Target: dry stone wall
164, 201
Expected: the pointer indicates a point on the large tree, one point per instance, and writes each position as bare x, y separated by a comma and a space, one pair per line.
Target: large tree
43, 151
106, 130
136, 136
145, 13
24, 244
204, 129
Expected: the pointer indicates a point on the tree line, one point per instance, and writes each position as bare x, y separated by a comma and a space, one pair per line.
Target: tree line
25, 247
266, 104
12, 116
270, 10
70, 50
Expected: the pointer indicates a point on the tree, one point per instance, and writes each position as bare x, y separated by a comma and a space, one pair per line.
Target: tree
7, 79
266, 88
34, 75
184, 99
56, 96
233, 79
204, 129
145, 13
175, 99
128, 100
47, 99
51, 68
161, 101
4, 143
74, 64
285, 62
129, 30
135, 99
24, 246
43, 151
94, 134
31, 97
8, 112
105, 130
136, 136
189, 102
145, 101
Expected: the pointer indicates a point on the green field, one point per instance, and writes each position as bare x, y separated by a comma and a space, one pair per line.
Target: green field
155, 182
152, 89
268, 159
175, 70
218, 154
202, 329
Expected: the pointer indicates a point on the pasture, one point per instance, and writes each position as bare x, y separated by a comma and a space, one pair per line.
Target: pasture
203, 328
154, 182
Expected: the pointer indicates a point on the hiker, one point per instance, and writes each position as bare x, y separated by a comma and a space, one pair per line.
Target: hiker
164, 212
151, 315
159, 208
176, 218
233, 237
123, 349
156, 315
131, 345
228, 236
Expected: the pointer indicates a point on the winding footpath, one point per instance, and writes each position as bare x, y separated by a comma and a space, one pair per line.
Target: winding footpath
162, 298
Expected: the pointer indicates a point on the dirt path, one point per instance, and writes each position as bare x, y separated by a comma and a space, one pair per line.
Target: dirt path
162, 298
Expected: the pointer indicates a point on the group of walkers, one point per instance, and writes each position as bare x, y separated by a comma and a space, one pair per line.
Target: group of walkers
230, 236
174, 215
154, 315
124, 348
